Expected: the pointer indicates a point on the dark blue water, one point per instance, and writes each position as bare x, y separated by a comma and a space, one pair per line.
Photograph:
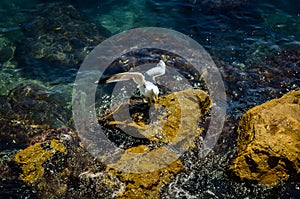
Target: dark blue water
251, 42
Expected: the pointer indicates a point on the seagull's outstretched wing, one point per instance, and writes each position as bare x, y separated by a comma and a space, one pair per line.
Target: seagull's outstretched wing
157, 71
137, 77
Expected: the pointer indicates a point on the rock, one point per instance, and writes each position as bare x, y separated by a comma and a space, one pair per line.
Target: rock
174, 119
7, 50
38, 105
269, 141
56, 165
172, 126
32, 159
58, 34
140, 184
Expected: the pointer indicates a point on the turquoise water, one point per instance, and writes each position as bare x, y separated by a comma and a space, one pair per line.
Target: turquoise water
241, 35
255, 43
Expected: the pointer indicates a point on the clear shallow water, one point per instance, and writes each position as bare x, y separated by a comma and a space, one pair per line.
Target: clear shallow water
240, 33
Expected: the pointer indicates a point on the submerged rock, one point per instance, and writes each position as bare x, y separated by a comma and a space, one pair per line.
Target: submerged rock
7, 50
27, 112
38, 105
269, 141
58, 34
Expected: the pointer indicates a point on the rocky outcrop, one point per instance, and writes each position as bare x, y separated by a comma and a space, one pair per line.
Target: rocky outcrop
269, 141
56, 164
173, 120
173, 125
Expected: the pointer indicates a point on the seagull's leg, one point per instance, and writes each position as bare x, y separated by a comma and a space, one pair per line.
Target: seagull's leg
155, 99
144, 100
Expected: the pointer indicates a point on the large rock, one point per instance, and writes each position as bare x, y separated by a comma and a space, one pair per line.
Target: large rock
173, 120
269, 141
171, 125
56, 165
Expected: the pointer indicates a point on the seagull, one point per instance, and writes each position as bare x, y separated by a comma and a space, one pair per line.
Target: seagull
147, 88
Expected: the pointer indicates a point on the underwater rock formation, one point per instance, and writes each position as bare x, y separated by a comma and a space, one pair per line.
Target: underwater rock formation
7, 50
269, 141
38, 105
58, 34
27, 112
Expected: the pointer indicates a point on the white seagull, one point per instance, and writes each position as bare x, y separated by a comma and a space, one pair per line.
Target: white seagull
147, 88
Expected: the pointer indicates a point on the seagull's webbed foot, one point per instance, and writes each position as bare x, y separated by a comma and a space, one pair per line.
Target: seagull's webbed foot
153, 101
144, 101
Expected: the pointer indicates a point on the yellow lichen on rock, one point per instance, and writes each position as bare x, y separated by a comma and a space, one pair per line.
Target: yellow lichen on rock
174, 125
269, 141
142, 184
179, 121
176, 118
32, 158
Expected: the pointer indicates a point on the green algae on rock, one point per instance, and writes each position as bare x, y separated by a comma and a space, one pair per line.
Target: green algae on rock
269, 141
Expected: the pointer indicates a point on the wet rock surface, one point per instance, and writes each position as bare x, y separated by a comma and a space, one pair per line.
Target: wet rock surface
56, 165
38, 105
142, 184
173, 120
173, 130
26, 112
269, 141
